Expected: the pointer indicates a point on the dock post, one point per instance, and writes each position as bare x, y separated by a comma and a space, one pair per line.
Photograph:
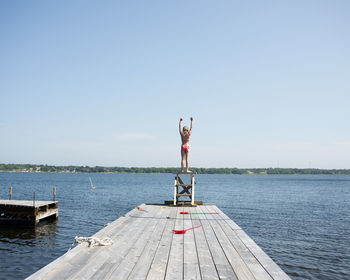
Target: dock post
10, 193
192, 192
54, 193
33, 199
175, 189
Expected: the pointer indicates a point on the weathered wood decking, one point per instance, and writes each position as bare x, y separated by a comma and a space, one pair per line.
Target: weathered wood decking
26, 212
145, 247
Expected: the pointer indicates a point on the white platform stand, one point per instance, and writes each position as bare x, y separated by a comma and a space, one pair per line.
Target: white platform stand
182, 190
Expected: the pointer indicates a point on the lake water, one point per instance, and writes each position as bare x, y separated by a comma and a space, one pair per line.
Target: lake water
301, 221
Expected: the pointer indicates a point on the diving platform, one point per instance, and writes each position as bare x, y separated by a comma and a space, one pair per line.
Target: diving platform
182, 190
27, 212
162, 242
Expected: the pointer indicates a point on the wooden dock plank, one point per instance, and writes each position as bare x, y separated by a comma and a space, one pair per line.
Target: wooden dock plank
54, 268
93, 259
135, 251
26, 203
255, 267
96, 263
143, 265
221, 262
239, 267
86, 262
273, 269
174, 269
160, 260
117, 254
100, 264
261, 257
82, 257
146, 248
206, 264
230, 222
191, 264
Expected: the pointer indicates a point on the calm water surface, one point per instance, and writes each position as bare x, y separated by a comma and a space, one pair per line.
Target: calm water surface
302, 222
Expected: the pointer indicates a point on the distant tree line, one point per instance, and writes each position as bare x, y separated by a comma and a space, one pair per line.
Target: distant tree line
102, 169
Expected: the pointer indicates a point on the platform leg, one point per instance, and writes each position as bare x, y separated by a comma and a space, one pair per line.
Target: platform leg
192, 192
175, 190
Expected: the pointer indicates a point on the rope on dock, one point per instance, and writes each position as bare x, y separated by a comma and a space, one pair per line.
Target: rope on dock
94, 241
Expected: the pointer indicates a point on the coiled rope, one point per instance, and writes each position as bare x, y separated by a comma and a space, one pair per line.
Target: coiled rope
94, 241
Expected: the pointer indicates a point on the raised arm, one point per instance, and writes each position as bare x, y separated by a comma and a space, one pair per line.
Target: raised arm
180, 126
191, 126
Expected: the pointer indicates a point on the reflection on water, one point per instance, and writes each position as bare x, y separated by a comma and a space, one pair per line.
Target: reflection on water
17, 245
43, 235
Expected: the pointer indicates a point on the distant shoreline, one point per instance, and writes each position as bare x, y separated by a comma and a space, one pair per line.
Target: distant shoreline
35, 168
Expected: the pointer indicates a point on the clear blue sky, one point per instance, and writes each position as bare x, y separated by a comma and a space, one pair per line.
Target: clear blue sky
105, 82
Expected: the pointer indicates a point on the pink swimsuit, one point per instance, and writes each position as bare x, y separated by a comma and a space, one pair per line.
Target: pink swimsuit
185, 148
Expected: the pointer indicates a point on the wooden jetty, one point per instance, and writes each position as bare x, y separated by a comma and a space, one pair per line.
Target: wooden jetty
27, 212
145, 247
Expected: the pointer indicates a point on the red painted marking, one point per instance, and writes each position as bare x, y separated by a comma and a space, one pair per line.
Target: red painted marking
183, 231
186, 213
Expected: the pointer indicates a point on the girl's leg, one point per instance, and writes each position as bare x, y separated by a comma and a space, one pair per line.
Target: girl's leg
182, 160
187, 164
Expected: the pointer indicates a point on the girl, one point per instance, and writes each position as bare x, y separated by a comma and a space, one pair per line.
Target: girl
185, 147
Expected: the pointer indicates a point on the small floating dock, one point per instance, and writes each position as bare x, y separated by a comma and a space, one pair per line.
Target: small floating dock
27, 212
145, 247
